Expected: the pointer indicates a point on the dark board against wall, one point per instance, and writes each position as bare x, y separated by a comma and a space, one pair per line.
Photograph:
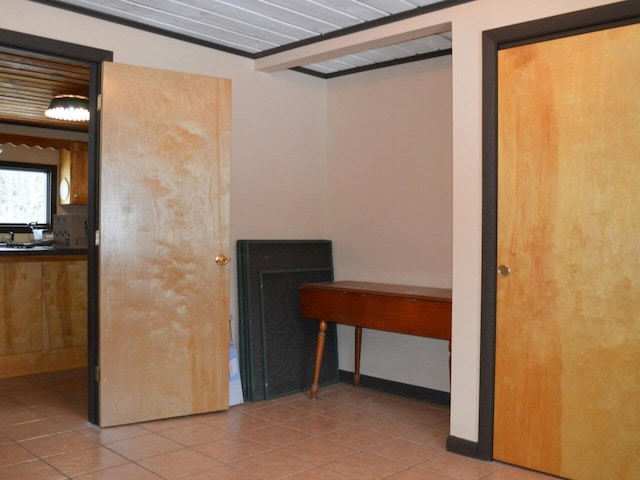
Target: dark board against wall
276, 344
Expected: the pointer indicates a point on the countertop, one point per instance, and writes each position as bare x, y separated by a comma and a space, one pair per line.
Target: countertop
40, 251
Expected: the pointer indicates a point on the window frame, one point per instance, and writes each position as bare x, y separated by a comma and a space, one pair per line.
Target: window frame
52, 194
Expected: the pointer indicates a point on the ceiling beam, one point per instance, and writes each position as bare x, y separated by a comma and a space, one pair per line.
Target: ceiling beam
420, 26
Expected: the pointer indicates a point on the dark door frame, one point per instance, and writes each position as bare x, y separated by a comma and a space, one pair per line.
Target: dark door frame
93, 57
598, 18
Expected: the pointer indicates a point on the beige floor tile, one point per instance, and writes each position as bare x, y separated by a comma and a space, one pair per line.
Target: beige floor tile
293, 437
276, 436
383, 405
415, 473
112, 434
319, 450
316, 424
358, 437
84, 461
194, 434
36, 470
38, 396
247, 406
272, 465
54, 410
351, 415
346, 394
11, 383
286, 399
21, 389
238, 424
432, 435
72, 386
224, 472
319, 473
459, 467
179, 463
314, 406
75, 421
365, 466
33, 429
280, 413
129, 471
405, 451
11, 416
161, 425
12, 453
511, 473
422, 415
143, 446
232, 448
7, 403
393, 426
58, 443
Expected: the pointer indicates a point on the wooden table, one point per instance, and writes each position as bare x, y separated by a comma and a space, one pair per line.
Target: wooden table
420, 311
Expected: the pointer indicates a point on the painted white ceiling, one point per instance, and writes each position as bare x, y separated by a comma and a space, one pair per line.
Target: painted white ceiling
258, 28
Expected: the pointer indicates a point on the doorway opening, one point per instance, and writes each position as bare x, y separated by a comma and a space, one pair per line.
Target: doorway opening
92, 58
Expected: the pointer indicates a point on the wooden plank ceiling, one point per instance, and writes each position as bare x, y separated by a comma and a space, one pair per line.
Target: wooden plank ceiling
28, 83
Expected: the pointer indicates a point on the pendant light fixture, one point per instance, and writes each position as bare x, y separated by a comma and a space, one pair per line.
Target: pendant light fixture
72, 108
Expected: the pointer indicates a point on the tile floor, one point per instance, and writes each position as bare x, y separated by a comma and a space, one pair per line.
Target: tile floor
346, 433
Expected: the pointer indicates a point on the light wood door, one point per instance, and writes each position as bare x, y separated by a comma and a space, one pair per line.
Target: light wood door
164, 207
567, 393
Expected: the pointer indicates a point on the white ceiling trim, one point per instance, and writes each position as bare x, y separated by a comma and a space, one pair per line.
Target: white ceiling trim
437, 23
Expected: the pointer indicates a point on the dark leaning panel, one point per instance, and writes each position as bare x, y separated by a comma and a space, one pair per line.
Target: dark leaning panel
277, 345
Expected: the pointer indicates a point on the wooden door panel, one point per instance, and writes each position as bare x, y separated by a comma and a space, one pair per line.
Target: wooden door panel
567, 327
164, 203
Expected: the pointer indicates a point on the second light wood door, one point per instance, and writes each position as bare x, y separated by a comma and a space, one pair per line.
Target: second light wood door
567, 327
164, 212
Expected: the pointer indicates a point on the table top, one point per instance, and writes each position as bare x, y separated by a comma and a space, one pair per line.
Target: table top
384, 289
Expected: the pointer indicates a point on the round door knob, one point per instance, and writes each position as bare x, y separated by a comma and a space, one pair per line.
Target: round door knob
504, 270
222, 259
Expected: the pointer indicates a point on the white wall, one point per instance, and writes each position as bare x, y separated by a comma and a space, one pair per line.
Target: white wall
469, 21
389, 202
279, 143
278, 121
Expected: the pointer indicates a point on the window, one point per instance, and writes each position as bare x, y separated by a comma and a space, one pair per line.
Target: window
27, 194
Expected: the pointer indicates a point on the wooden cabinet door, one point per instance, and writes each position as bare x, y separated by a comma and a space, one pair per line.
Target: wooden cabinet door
74, 172
44, 306
164, 207
567, 324
66, 301
21, 303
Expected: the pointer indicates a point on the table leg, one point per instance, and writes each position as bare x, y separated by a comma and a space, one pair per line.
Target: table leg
356, 373
322, 336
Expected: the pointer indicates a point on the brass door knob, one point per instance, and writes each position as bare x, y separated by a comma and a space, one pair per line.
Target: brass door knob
222, 259
504, 270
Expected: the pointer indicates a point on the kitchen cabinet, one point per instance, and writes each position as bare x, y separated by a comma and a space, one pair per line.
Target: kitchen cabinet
44, 322
73, 188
